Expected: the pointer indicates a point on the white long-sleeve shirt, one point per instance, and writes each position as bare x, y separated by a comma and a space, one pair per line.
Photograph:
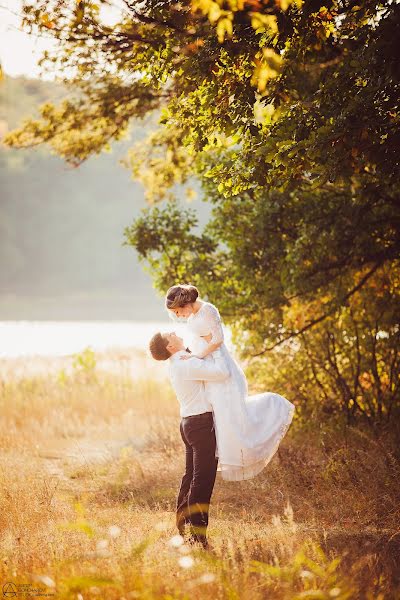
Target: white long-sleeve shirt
188, 378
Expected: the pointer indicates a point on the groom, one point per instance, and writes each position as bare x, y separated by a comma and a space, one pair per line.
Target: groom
188, 379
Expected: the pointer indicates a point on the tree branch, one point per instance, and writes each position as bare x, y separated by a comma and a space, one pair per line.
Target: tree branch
323, 316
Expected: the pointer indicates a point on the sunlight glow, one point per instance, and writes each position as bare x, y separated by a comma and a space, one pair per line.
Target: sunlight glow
21, 51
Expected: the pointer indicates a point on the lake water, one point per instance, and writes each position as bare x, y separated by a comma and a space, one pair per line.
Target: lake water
59, 338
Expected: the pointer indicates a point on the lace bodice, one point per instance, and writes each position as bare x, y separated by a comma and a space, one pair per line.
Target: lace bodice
207, 321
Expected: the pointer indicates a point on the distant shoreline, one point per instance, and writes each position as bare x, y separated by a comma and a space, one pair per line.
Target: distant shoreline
63, 338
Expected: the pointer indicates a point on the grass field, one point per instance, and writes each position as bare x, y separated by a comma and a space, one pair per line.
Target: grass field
91, 461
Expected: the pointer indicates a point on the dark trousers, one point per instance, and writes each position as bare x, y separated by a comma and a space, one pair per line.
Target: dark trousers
197, 484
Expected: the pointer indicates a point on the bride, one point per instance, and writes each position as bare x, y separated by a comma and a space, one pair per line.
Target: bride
248, 429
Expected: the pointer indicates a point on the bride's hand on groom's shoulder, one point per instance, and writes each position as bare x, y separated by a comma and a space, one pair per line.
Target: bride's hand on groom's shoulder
187, 356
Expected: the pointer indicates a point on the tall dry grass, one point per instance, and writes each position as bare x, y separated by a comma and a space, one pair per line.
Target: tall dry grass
91, 463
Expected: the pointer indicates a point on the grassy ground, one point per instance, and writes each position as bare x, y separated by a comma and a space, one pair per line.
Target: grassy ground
91, 461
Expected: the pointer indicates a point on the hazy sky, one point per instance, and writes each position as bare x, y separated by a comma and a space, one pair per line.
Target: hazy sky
20, 51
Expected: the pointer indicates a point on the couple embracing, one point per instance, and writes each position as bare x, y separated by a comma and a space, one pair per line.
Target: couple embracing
223, 429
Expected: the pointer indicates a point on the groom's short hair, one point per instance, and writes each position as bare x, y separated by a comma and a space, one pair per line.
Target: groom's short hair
158, 347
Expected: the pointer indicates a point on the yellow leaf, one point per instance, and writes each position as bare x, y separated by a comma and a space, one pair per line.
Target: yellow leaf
284, 4
45, 20
264, 22
190, 194
224, 26
214, 13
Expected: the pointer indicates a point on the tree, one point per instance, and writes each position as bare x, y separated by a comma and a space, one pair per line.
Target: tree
286, 111
347, 365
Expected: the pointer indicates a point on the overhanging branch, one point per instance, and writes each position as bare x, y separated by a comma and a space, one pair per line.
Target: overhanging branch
323, 316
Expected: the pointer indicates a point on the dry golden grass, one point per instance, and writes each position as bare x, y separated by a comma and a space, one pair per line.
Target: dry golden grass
91, 462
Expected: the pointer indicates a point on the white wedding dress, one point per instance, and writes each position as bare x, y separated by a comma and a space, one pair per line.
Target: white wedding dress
248, 429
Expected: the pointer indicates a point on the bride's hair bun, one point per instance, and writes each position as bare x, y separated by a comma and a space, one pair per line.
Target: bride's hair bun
180, 295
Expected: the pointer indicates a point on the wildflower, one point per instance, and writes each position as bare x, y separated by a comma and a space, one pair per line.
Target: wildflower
102, 548
306, 574
46, 580
186, 562
207, 578
102, 544
175, 541
114, 531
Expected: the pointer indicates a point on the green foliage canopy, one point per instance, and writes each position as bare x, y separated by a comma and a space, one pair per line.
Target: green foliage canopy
287, 112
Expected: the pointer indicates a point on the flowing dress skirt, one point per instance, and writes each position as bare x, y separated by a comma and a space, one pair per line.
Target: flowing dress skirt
248, 429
